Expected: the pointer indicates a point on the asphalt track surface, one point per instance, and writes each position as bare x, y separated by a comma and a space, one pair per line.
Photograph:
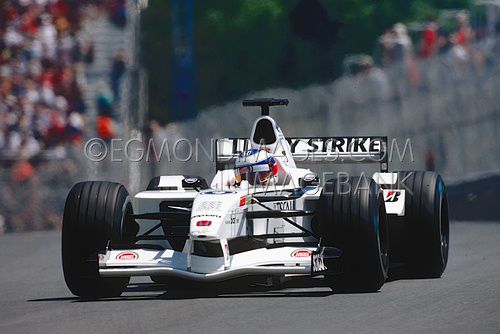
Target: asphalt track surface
34, 298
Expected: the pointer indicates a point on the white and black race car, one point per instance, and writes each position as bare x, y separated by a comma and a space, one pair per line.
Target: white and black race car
261, 215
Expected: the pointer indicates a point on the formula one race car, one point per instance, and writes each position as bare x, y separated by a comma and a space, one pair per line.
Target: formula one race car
260, 216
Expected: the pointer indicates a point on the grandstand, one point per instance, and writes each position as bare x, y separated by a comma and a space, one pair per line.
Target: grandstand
55, 55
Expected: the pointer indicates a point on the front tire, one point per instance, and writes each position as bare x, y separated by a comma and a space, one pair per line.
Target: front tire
92, 216
351, 215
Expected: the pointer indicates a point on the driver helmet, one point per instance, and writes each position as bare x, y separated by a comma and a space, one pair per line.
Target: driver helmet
255, 166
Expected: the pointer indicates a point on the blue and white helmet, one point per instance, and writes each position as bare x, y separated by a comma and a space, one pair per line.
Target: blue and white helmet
255, 166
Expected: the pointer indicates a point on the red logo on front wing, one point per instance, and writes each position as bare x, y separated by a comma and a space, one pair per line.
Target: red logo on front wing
301, 253
127, 256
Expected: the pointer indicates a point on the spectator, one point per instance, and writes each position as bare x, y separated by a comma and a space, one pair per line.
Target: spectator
158, 135
396, 44
88, 52
104, 102
386, 42
430, 160
22, 171
402, 45
105, 128
117, 70
429, 41
104, 123
464, 34
2, 225
444, 43
117, 11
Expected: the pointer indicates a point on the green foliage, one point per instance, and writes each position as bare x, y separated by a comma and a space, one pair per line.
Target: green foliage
156, 54
248, 45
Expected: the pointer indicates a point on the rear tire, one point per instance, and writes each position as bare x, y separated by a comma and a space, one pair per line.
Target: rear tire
351, 216
92, 216
422, 235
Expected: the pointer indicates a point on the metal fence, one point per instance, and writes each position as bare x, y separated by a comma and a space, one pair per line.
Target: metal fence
448, 109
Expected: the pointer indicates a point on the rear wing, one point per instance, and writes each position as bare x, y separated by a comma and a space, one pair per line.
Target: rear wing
313, 150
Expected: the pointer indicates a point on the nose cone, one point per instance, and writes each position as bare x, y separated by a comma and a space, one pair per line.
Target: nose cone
210, 211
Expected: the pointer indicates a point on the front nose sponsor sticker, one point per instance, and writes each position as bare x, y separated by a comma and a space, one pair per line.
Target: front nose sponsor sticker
301, 253
127, 256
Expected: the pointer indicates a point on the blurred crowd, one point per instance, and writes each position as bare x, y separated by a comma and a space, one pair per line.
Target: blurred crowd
421, 57
42, 61
451, 37
43, 58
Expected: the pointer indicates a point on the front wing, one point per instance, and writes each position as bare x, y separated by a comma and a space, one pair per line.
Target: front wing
151, 262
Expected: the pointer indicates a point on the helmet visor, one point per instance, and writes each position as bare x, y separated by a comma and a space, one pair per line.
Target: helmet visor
255, 174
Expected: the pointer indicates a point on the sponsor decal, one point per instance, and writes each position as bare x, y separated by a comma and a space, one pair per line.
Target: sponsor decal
248, 153
203, 223
127, 256
245, 200
309, 177
191, 180
217, 192
288, 205
328, 145
205, 215
392, 196
209, 206
338, 145
301, 253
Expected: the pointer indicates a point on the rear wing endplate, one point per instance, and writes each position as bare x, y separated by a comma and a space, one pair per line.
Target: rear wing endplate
313, 150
